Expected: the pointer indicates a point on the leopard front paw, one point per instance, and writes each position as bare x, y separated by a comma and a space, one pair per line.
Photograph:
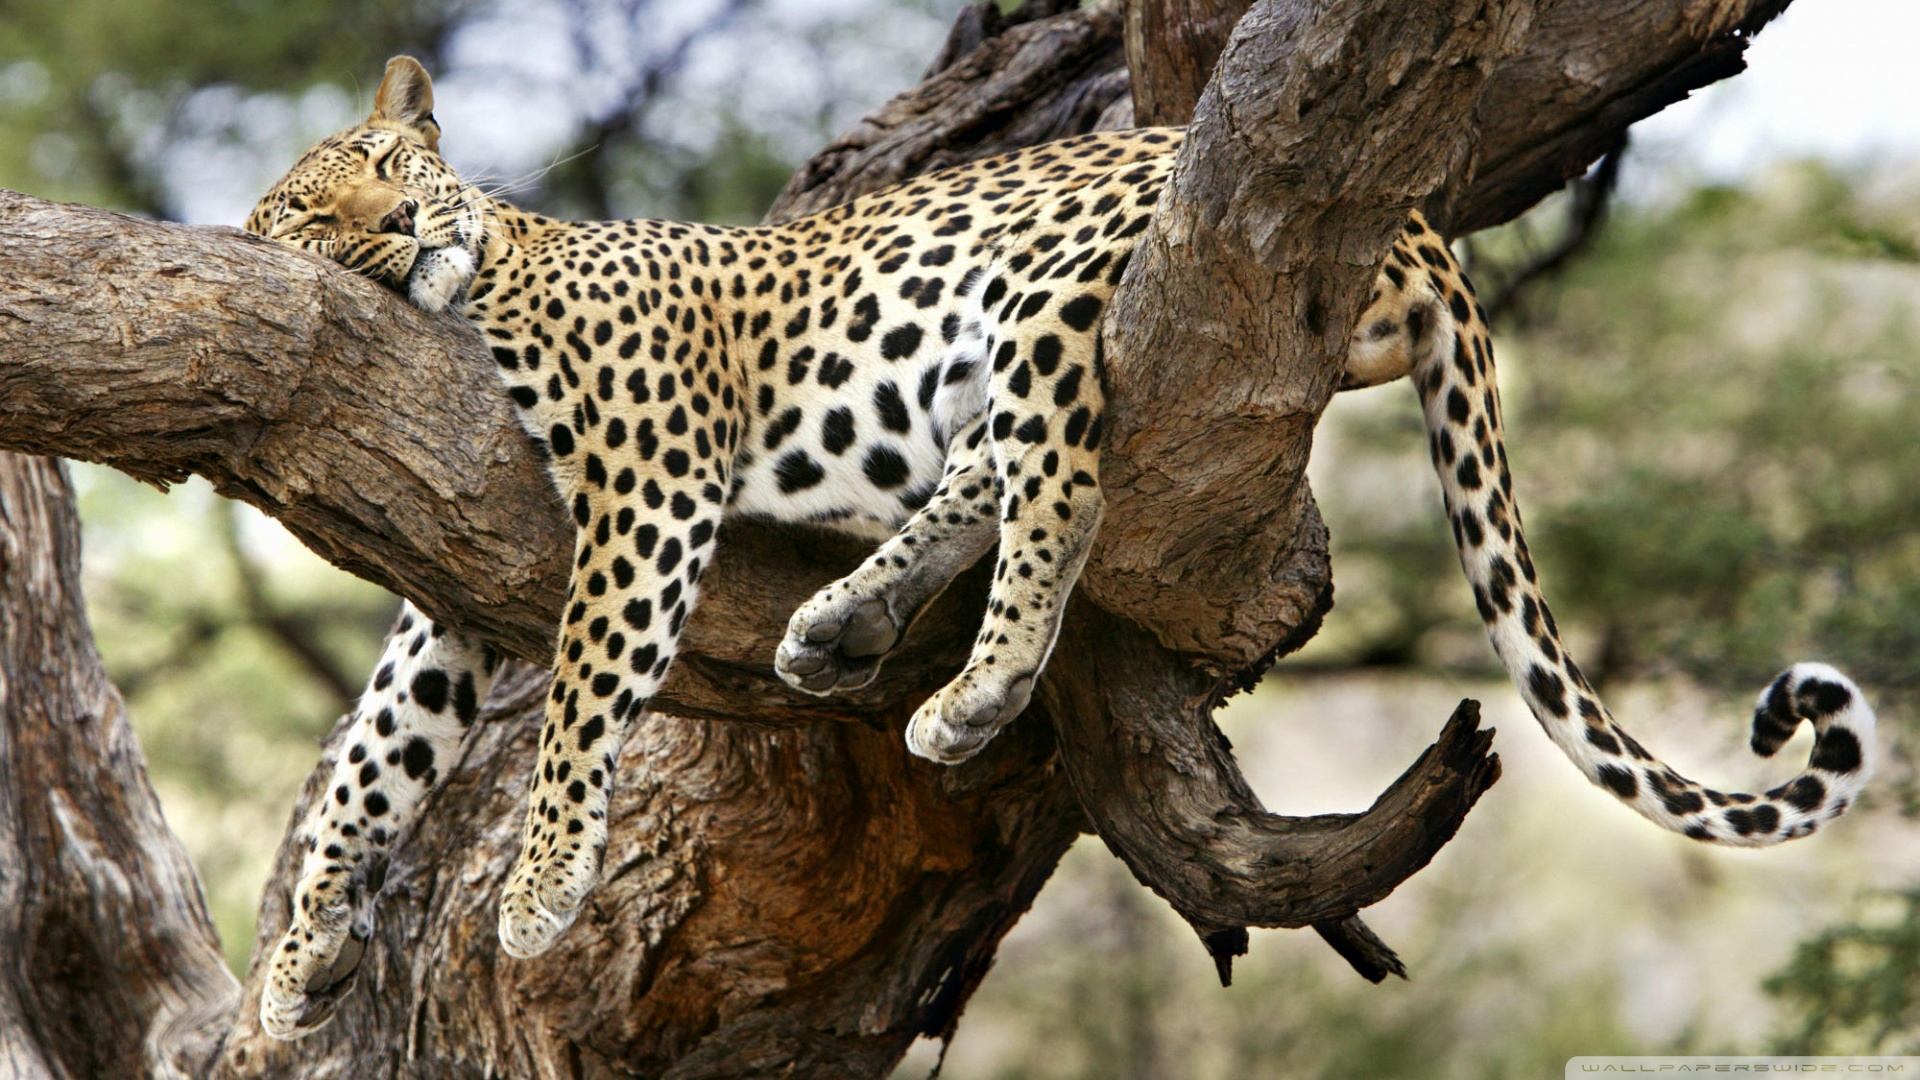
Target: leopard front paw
836, 641
542, 899
955, 723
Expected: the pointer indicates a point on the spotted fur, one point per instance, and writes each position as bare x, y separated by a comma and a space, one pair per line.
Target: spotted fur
923, 366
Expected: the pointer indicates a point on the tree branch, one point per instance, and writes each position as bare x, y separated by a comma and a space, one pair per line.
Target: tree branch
1303, 159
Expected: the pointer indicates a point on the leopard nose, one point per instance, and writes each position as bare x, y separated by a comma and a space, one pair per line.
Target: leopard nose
400, 218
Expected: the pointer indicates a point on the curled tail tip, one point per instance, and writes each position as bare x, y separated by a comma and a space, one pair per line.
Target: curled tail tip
1818, 694
1836, 771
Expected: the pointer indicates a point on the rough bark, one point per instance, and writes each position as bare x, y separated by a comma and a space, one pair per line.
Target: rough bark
108, 961
1172, 46
785, 895
1589, 70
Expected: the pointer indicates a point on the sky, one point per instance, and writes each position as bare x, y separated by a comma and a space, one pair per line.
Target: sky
1834, 79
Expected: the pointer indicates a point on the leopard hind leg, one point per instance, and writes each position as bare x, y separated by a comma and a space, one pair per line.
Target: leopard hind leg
404, 733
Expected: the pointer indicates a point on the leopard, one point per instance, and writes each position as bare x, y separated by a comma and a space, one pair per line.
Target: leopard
922, 367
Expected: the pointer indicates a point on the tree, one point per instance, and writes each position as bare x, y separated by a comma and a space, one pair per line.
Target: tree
787, 892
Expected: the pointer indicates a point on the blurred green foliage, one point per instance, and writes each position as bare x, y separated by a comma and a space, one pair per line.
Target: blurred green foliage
1856, 987
91, 90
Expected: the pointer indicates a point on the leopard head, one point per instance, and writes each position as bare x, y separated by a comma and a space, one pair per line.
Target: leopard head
378, 199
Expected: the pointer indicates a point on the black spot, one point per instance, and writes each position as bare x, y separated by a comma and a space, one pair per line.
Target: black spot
892, 408
836, 431
1469, 473
1080, 312
781, 426
1474, 535
430, 689
1548, 689
1046, 353
638, 613
466, 703
1033, 429
1805, 793
643, 659
796, 471
834, 371
605, 683
1076, 426
417, 758
901, 341
561, 439
885, 468
866, 312
1837, 750
1824, 698
1602, 741
1067, 390
1618, 780
669, 555
375, 803
1004, 355
1682, 803
591, 731
384, 677
1457, 407
1774, 720
1021, 381
996, 289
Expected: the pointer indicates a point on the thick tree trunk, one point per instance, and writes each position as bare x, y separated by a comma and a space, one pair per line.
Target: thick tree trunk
788, 892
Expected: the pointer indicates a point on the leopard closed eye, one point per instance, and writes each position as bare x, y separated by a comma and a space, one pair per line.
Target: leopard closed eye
921, 366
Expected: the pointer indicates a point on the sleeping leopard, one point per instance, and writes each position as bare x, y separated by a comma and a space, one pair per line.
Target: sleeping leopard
921, 366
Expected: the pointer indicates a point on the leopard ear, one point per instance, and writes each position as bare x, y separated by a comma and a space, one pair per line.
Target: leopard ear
404, 101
